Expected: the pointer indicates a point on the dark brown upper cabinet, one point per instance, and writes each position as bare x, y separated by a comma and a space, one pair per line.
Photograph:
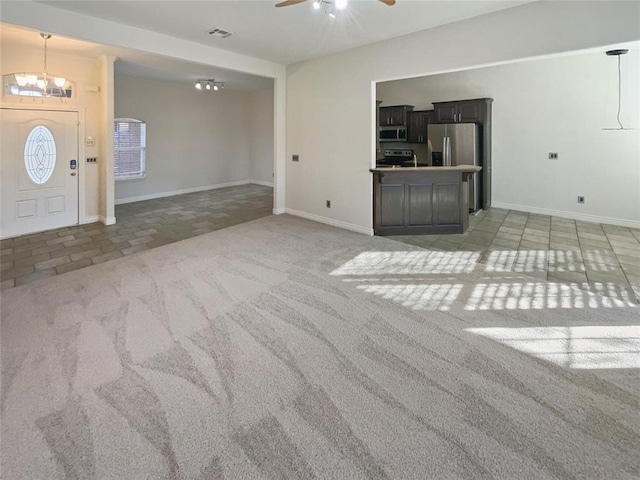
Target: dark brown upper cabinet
417, 125
460, 111
395, 115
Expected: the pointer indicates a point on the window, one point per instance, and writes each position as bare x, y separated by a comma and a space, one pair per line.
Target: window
130, 142
40, 154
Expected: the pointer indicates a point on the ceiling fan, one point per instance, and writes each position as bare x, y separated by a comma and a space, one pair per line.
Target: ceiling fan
288, 3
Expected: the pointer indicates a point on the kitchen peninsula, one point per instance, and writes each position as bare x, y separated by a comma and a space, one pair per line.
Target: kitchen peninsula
421, 200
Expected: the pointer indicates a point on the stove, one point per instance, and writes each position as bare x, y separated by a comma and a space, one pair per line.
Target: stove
398, 156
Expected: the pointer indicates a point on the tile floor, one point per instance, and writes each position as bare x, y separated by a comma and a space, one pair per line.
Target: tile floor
140, 226
594, 257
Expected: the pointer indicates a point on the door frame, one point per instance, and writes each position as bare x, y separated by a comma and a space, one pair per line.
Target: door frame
82, 219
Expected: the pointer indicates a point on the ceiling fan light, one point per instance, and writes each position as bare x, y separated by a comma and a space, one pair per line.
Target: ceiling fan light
59, 81
198, 86
21, 79
215, 87
341, 4
208, 86
316, 5
42, 83
32, 79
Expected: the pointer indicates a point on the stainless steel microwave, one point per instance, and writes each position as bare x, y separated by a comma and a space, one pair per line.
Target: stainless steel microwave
393, 134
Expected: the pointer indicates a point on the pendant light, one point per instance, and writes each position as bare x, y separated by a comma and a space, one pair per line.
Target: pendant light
41, 84
618, 53
44, 81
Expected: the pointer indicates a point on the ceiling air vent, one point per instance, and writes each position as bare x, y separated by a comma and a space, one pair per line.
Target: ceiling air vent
219, 32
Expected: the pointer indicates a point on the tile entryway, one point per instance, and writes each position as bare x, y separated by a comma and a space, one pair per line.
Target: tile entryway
141, 226
595, 257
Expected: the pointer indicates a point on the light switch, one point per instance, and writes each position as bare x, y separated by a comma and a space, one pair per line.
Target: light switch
90, 142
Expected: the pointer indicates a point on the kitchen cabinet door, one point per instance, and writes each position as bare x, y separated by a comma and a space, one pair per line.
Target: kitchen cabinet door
445, 112
395, 115
414, 127
417, 125
462, 111
470, 111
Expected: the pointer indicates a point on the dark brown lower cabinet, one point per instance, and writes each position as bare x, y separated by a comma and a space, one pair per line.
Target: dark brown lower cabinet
421, 201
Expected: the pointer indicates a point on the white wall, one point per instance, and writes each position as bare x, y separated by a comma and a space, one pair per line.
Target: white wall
331, 108
552, 105
261, 134
194, 138
84, 72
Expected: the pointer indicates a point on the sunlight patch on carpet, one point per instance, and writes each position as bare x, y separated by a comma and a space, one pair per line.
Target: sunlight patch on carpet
587, 347
418, 297
409, 263
541, 295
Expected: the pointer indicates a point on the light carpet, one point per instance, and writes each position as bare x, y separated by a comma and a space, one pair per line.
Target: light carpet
287, 349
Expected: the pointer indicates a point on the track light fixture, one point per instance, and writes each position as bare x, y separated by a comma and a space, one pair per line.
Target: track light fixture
209, 84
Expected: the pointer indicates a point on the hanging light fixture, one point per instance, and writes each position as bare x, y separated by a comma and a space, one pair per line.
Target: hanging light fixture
618, 53
41, 84
209, 84
331, 7
341, 4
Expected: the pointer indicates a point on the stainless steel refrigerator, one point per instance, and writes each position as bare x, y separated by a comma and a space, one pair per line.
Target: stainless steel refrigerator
452, 144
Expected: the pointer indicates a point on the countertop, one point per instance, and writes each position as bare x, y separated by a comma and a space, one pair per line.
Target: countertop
458, 168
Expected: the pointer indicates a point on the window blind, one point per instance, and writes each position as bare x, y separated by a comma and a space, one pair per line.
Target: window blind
129, 136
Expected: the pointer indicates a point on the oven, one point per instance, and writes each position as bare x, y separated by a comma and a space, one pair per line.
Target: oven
398, 157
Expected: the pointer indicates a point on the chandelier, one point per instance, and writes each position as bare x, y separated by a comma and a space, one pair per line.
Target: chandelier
42, 84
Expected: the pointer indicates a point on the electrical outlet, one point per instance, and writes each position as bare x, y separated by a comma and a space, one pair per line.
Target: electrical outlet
295, 158
580, 199
553, 155
328, 203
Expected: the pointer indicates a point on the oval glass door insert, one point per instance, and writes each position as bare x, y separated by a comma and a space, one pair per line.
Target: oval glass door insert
40, 154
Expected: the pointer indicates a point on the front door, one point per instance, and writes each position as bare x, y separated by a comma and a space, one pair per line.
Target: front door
38, 170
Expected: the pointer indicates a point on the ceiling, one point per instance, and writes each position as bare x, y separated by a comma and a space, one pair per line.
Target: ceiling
135, 63
284, 35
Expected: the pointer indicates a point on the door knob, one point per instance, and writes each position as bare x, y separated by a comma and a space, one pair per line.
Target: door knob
73, 174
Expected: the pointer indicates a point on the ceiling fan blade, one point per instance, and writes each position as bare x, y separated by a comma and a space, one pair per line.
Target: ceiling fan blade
288, 3
391, 3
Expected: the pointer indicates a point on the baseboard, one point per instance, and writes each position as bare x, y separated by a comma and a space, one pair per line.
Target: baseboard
152, 196
107, 220
583, 217
91, 219
278, 211
330, 221
264, 184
